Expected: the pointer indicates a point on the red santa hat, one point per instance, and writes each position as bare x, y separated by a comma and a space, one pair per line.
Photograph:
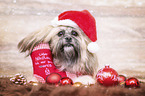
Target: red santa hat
84, 20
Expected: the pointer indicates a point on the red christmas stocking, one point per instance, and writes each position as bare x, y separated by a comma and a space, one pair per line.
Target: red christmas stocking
43, 63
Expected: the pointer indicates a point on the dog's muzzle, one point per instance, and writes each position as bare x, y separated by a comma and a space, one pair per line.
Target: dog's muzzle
68, 39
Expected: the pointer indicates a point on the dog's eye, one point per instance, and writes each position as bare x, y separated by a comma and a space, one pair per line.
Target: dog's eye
74, 33
61, 33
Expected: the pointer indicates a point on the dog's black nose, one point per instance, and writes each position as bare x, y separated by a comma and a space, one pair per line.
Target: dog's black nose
68, 39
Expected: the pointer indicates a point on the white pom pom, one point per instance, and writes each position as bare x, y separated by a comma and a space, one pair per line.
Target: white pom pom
93, 47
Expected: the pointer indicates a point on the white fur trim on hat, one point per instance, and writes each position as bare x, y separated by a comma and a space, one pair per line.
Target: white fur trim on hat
93, 47
67, 22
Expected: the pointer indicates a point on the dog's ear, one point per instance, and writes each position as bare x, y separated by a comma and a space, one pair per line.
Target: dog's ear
33, 39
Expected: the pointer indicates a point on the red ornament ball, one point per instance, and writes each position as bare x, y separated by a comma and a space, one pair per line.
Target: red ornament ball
121, 78
132, 83
53, 78
66, 81
107, 77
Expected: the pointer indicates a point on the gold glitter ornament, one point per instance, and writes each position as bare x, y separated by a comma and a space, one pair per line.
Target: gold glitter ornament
33, 83
77, 84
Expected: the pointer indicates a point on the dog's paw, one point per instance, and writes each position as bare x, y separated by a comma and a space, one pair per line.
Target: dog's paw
85, 80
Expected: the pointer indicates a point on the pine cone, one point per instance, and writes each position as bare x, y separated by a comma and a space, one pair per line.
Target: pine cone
19, 79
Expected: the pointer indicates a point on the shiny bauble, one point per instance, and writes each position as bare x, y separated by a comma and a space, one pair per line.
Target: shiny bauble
66, 81
121, 78
53, 78
132, 83
77, 84
107, 77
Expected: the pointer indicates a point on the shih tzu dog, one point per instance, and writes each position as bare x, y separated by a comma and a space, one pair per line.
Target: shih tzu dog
72, 40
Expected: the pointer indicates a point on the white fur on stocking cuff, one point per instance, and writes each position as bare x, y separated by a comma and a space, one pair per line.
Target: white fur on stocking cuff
41, 46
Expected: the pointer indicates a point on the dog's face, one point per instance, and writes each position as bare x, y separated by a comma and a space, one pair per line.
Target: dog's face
65, 45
